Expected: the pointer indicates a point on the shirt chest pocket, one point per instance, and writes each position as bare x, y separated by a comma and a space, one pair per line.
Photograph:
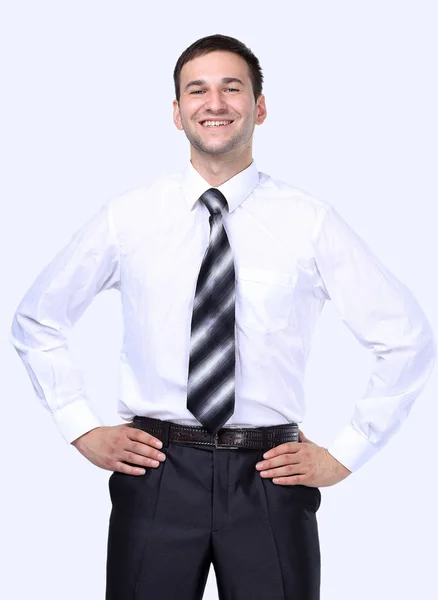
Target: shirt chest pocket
264, 299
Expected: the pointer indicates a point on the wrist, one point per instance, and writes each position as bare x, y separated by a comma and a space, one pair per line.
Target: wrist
340, 469
78, 441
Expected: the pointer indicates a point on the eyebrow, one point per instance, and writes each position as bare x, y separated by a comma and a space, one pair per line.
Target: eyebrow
197, 82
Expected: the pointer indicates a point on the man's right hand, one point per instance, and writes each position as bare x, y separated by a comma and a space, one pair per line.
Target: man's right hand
112, 447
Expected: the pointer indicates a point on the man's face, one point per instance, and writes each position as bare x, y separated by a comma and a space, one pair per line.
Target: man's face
217, 109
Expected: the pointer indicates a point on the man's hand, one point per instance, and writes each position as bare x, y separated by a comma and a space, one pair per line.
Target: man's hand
112, 447
303, 463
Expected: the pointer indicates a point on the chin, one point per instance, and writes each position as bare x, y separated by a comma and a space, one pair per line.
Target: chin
222, 147
216, 149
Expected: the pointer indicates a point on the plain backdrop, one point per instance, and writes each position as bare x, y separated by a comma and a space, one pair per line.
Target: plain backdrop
86, 113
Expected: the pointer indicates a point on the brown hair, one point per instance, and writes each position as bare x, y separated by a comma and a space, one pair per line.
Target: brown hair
211, 43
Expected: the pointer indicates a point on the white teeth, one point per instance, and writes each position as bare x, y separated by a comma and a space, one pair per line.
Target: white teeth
215, 123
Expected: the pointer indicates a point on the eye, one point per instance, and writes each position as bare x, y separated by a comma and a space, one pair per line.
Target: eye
197, 92
233, 89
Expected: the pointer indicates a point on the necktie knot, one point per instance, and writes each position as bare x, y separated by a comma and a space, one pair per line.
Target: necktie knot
214, 200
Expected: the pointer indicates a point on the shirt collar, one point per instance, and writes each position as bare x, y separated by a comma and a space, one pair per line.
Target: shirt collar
235, 190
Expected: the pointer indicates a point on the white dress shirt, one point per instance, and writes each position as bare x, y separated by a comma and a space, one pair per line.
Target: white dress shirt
292, 252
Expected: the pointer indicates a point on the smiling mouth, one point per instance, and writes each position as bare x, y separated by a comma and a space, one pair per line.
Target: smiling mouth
212, 124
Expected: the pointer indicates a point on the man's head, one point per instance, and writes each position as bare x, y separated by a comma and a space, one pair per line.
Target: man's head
219, 100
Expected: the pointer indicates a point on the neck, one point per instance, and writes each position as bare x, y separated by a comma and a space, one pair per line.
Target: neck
216, 170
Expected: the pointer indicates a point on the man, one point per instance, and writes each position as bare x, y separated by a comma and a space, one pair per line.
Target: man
223, 272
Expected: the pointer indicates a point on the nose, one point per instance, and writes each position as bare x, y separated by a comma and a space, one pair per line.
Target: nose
215, 101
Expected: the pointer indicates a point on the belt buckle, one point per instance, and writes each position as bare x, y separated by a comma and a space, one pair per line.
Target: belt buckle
224, 447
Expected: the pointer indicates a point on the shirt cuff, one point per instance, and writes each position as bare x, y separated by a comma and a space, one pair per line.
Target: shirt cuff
75, 419
352, 449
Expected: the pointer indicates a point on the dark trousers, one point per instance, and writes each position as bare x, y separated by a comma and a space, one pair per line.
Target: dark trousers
203, 506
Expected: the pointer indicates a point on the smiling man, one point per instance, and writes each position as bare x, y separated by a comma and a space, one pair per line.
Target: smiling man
223, 272
218, 113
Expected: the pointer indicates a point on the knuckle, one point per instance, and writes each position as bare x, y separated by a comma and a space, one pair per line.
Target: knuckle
137, 447
120, 435
132, 447
117, 441
150, 440
133, 433
112, 451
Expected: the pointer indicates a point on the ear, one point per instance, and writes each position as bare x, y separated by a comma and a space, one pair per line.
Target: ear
177, 115
261, 110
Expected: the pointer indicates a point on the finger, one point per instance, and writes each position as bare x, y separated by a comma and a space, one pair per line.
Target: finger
142, 436
285, 471
304, 439
283, 449
278, 461
140, 460
128, 469
144, 450
292, 480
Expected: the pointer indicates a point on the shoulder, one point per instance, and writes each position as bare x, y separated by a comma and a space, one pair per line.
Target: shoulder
141, 192
145, 196
291, 196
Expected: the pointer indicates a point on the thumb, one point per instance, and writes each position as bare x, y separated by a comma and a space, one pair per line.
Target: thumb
304, 439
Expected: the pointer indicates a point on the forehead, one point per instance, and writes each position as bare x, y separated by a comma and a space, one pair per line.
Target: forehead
215, 65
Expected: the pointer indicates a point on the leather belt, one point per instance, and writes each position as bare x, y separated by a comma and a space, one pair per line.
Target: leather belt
230, 438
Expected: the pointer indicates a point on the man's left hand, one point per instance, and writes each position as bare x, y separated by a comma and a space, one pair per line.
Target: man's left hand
303, 463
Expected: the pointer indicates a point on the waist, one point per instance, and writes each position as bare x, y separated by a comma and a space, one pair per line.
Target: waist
235, 437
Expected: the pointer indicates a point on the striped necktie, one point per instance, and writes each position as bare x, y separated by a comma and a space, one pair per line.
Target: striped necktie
210, 393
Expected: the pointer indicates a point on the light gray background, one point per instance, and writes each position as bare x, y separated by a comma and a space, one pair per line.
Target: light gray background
86, 108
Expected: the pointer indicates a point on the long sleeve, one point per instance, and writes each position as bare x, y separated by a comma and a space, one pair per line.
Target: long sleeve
385, 318
87, 265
